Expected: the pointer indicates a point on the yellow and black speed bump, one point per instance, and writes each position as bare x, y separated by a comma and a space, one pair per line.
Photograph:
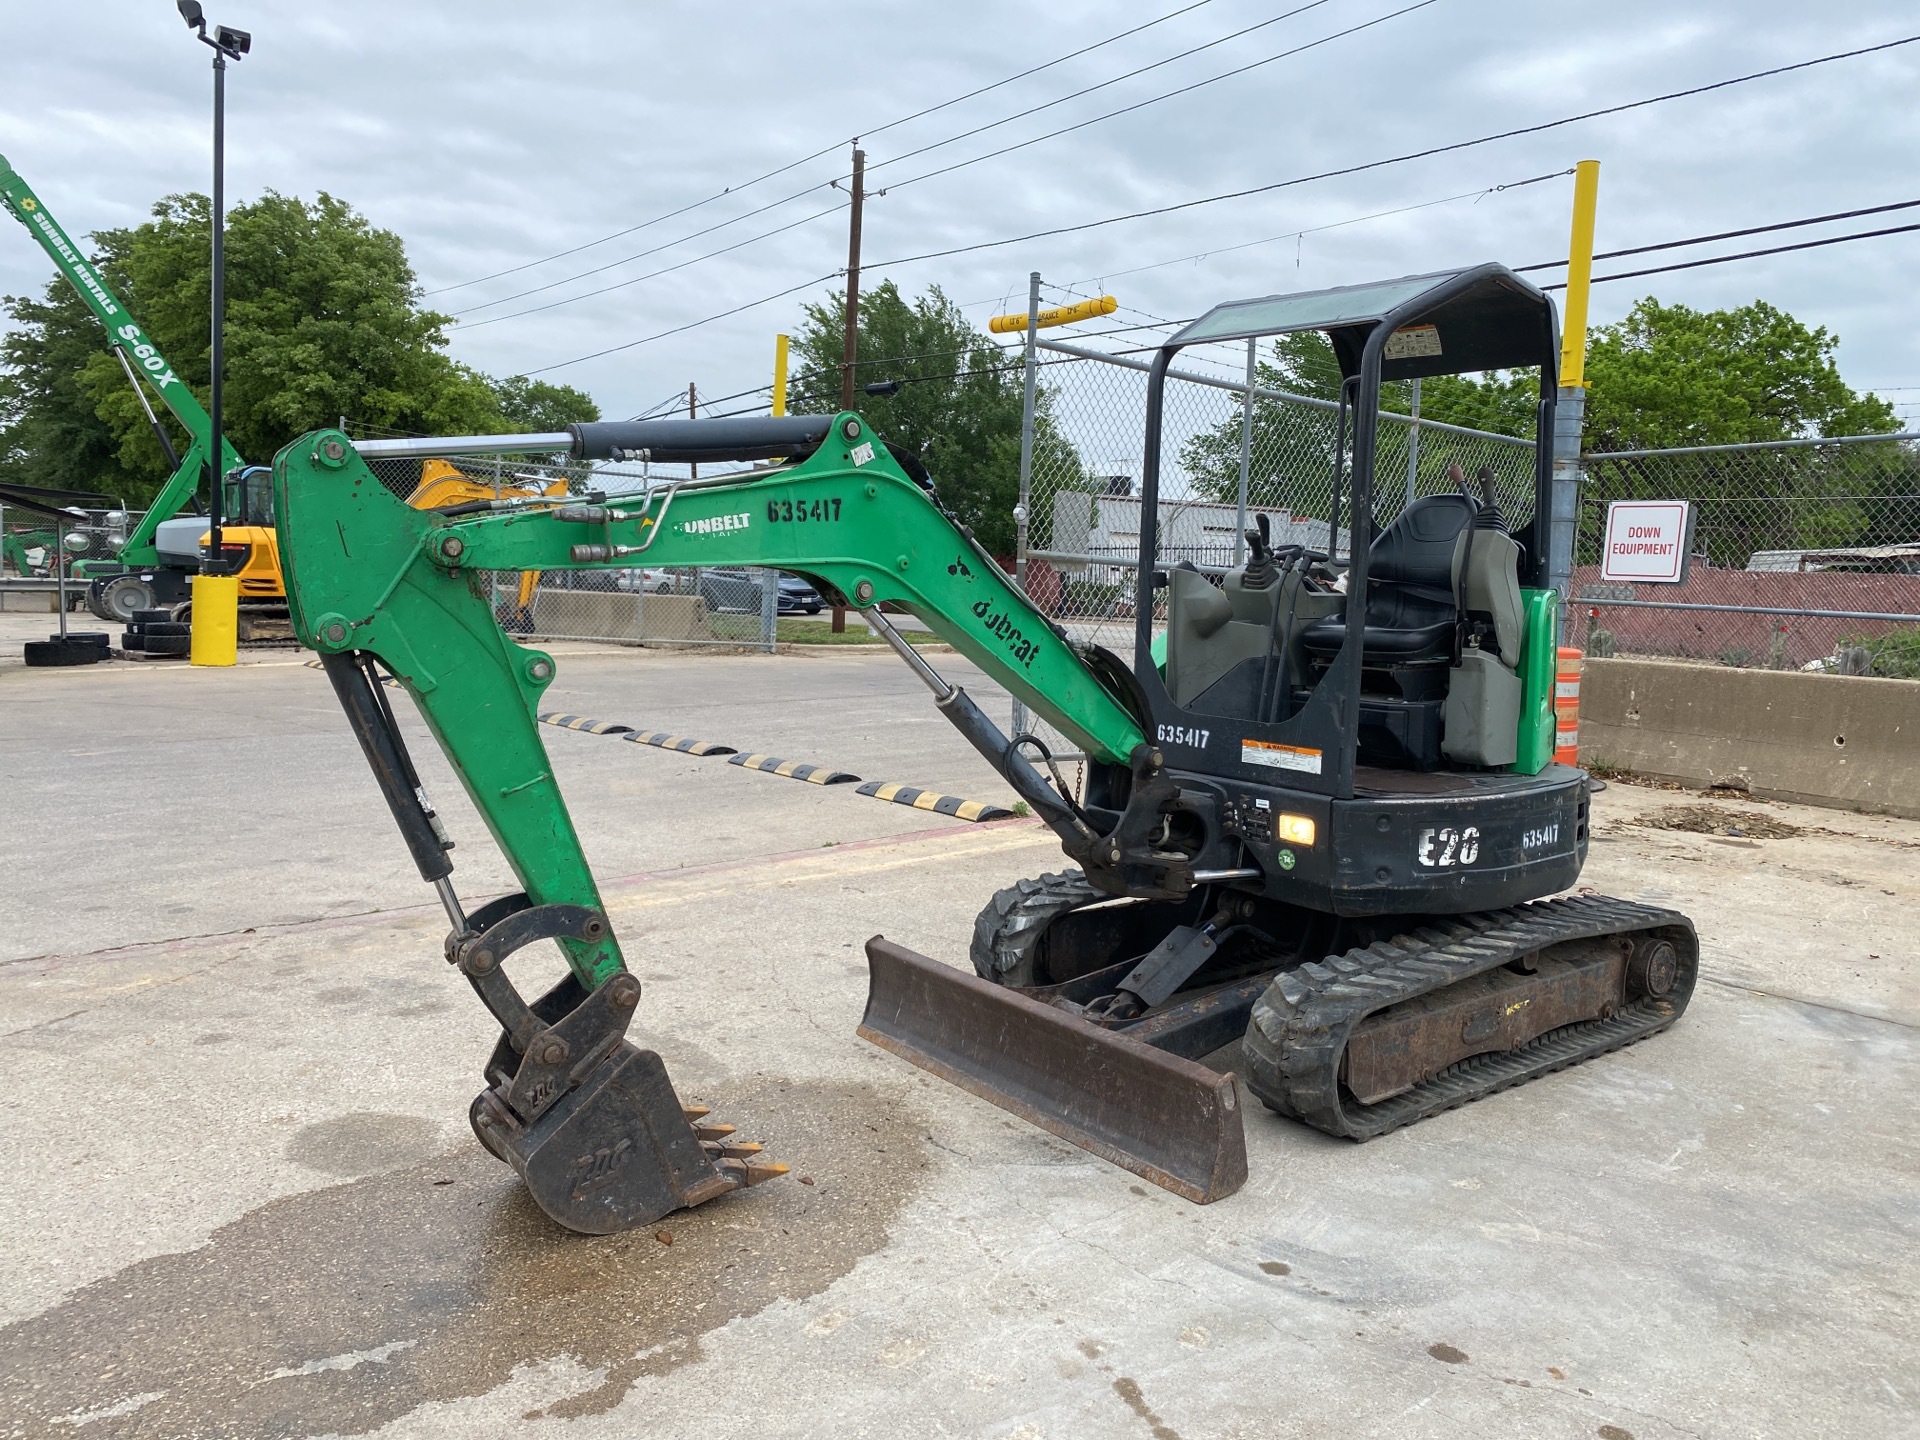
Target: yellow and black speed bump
794, 769
581, 722
937, 803
679, 742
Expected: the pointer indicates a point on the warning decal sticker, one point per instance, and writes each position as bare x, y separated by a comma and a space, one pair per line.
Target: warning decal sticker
1280, 757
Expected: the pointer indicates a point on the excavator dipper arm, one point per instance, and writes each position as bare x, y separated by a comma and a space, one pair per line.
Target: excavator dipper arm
383, 590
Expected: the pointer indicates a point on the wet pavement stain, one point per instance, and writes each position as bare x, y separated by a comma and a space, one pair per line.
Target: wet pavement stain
1128, 1389
339, 1310
1447, 1354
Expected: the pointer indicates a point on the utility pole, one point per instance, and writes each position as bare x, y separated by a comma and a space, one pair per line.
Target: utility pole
850, 340
850, 344
693, 413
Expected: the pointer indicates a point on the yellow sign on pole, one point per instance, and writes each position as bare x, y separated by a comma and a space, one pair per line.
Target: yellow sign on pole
1573, 338
1064, 315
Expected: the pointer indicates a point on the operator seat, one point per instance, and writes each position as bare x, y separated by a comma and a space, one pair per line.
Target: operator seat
1443, 629
1411, 616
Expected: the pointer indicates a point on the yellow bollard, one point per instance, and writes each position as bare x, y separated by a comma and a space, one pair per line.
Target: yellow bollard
216, 620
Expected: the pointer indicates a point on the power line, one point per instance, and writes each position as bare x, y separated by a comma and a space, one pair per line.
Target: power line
1334, 225
826, 150
1103, 278
643, 254
690, 325
1395, 159
1156, 99
651, 275
1104, 84
1743, 255
959, 165
1733, 234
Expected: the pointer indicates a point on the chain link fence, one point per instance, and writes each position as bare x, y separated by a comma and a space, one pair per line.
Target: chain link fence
31, 546
1805, 556
1230, 453
732, 606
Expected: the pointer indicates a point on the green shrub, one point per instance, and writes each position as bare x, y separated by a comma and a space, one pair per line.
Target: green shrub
1894, 655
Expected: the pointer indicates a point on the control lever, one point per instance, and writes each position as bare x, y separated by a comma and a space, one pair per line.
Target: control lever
1260, 570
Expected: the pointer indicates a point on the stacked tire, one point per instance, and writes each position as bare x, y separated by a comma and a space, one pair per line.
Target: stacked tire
156, 635
76, 647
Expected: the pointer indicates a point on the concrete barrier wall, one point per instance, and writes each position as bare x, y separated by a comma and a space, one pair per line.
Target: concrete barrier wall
621, 615
1839, 740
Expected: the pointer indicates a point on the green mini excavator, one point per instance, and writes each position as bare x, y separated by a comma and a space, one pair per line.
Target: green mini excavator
1321, 821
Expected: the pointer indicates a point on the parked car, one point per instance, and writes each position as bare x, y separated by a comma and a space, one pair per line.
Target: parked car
738, 592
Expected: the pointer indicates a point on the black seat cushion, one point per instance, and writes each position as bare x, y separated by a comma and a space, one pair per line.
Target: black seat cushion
1410, 610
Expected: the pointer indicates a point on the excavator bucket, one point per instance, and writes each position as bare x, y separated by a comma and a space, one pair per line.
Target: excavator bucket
616, 1149
619, 1150
1167, 1119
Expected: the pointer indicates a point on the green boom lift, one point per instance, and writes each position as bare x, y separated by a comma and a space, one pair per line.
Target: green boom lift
145, 574
1323, 825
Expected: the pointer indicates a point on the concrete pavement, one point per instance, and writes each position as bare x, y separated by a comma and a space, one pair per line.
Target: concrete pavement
241, 1198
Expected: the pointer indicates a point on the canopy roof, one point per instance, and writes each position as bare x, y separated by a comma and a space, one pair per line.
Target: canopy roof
1449, 322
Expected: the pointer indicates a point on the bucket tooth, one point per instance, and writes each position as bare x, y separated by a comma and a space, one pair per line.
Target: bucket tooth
752, 1171
713, 1132
696, 1113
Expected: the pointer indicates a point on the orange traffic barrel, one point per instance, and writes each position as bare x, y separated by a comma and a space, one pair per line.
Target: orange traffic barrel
1566, 706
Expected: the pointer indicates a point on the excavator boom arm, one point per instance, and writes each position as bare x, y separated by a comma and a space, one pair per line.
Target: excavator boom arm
367, 576
590, 1122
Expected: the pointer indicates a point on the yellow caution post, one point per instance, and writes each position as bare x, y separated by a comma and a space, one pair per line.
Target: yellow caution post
780, 344
216, 620
1064, 315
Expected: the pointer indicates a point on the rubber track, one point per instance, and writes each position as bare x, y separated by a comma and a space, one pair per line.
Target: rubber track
1012, 922
1300, 1026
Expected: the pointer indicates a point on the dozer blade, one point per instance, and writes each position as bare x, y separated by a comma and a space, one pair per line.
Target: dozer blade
617, 1151
1165, 1118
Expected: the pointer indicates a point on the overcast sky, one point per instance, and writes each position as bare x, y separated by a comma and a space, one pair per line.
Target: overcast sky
492, 135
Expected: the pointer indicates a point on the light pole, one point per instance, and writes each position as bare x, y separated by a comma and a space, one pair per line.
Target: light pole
226, 43
216, 594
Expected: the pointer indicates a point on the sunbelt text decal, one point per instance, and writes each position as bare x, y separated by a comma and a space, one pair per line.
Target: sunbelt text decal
82, 271
714, 524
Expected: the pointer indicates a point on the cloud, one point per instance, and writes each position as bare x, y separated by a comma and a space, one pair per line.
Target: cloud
490, 134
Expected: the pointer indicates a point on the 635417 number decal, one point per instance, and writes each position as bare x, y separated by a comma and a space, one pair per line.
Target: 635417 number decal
801, 511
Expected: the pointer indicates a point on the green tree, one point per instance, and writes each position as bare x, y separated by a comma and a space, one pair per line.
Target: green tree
323, 321
958, 406
1292, 443
1669, 375
534, 407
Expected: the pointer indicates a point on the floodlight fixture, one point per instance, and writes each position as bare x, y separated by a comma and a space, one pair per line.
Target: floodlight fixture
229, 42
